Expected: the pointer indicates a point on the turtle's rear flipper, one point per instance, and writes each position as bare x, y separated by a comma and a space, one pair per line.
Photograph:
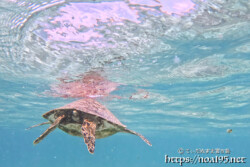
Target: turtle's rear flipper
138, 134
37, 125
88, 132
50, 129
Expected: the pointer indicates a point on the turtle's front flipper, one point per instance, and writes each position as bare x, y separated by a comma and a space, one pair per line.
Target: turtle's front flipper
138, 134
88, 132
37, 125
50, 129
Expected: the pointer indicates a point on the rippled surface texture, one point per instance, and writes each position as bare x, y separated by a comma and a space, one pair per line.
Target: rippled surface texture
178, 71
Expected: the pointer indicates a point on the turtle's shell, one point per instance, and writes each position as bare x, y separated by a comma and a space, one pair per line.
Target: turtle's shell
89, 106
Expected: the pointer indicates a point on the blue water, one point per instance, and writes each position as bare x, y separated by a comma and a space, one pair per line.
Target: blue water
191, 58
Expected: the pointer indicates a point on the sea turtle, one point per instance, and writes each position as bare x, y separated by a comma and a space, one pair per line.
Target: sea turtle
86, 118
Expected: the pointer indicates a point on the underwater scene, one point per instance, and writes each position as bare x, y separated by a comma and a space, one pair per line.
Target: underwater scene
124, 83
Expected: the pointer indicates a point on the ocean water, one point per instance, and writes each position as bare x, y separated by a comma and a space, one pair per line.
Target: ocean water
181, 68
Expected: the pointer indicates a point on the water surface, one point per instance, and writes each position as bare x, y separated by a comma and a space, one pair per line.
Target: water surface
183, 71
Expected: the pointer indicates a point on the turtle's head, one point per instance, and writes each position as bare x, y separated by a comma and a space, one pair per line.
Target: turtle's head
75, 116
75, 113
